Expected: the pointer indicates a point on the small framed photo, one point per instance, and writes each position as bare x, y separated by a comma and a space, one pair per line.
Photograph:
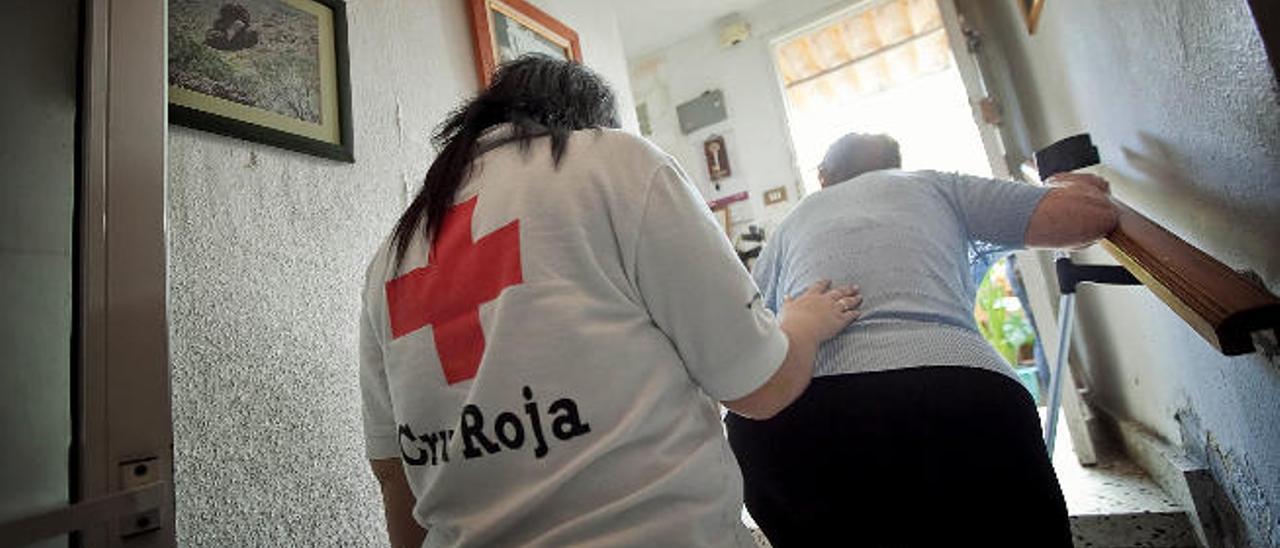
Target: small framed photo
775, 195
717, 158
270, 71
1031, 12
503, 30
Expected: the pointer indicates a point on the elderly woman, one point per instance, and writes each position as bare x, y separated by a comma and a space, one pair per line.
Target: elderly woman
548, 329
914, 431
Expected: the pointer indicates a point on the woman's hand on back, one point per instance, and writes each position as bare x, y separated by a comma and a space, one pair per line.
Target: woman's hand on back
808, 319
821, 311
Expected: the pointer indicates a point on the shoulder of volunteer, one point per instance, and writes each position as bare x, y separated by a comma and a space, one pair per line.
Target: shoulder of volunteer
623, 151
376, 272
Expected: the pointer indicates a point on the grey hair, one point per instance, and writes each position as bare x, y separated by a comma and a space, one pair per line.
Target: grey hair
858, 153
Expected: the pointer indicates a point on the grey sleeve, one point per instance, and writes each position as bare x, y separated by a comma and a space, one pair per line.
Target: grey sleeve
765, 272
992, 211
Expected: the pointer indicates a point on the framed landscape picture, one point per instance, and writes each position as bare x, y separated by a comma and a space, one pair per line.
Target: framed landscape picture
270, 71
503, 30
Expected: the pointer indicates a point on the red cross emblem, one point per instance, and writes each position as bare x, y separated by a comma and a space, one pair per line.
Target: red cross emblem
460, 275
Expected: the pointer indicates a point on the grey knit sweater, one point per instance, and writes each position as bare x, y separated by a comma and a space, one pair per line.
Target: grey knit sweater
907, 239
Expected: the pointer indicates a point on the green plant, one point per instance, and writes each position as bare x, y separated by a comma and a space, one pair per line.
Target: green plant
196, 59
1000, 317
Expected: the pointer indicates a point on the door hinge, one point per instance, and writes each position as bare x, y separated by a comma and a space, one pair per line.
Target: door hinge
133, 474
972, 38
122, 507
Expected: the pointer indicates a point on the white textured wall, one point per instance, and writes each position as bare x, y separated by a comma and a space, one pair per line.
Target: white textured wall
1179, 98
267, 254
597, 28
756, 131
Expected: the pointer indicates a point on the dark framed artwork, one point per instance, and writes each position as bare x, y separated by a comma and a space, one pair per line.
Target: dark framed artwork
503, 30
1266, 14
1031, 12
717, 158
269, 71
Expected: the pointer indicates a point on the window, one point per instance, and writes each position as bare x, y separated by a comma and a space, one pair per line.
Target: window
886, 67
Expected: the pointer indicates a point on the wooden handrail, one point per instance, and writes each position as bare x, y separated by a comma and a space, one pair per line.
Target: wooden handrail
1224, 306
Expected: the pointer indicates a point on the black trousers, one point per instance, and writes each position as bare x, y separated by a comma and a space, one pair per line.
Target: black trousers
925, 456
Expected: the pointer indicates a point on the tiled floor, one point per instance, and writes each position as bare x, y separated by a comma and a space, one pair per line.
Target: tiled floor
1114, 504
1114, 486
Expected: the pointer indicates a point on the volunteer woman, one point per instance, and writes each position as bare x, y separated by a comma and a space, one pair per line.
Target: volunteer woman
548, 328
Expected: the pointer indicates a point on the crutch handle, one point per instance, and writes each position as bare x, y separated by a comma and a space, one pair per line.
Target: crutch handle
1071, 274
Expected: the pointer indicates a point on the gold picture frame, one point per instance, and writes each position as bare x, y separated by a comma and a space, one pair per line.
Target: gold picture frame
1031, 13
502, 30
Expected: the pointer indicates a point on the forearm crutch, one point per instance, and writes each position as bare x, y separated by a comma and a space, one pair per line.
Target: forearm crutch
1071, 275
1066, 155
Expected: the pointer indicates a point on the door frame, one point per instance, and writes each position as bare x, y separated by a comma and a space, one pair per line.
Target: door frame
122, 450
127, 431
976, 87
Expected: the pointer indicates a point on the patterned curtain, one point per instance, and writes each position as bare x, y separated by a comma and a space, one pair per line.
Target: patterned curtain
891, 42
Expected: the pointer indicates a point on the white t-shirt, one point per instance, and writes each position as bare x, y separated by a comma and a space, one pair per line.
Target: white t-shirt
549, 376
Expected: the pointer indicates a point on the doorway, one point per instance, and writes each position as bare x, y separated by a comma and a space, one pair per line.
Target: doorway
880, 67
903, 68
84, 390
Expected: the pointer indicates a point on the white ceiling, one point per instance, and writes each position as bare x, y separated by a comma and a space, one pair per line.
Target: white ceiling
648, 25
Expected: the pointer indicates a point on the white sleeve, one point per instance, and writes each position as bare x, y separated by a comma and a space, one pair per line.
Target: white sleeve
380, 433
699, 294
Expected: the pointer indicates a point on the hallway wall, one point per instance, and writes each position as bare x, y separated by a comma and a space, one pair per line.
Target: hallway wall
267, 256
1179, 98
756, 130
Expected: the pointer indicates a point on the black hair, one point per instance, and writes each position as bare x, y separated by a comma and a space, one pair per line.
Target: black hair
858, 153
537, 95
